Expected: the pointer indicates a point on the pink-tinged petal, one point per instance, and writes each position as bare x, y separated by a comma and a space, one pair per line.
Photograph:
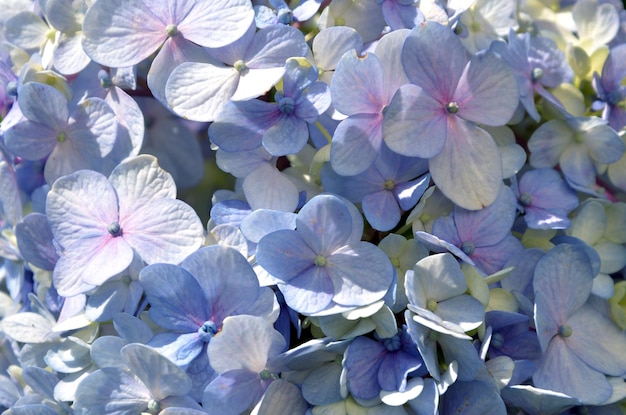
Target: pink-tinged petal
489, 225
597, 341
562, 371
139, 181
110, 256
197, 91
164, 230
53, 114
95, 259
562, 284
358, 86
487, 92
30, 140
415, 123
468, 170
121, 33
175, 51
214, 23
356, 144
435, 69
81, 205
548, 142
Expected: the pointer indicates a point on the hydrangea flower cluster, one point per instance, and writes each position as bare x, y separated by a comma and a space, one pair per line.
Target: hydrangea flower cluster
312, 207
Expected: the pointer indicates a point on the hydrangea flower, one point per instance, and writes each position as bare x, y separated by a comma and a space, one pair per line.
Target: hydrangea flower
122, 33
322, 265
132, 212
567, 326
71, 141
435, 117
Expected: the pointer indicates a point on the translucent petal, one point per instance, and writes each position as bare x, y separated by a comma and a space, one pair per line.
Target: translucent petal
26, 30
357, 85
468, 170
275, 247
233, 392
198, 91
487, 91
381, 210
140, 180
331, 43
245, 342
161, 376
30, 140
165, 230
288, 136
69, 57
415, 124
436, 70
282, 397
267, 188
111, 391
34, 238
356, 143
121, 33
53, 115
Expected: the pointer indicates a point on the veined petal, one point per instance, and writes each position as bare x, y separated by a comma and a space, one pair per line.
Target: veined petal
284, 254
176, 299
198, 91
562, 371
111, 391
361, 274
548, 142
468, 170
267, 188
597, 341
121, 33
288, 136
435, 69
81, 205
562, 284
43, 104
30, 140
164, 230
415, 123
487, 92
309, 293
140, 180
215, 23
356, 144
358, 86
174, 52
261, 340
161, 377
381, 210
325, 224
272, 46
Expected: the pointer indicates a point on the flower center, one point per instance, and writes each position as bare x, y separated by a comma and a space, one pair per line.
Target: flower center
267, 375
497, 340
207, 330
392, 343
114, 229
154, 407
468, 247
536, 74
565, 331
320, 260
389, 185
452, 107
171, 30
431, 305
286, 105
61, 137
525, 199
105, 79
240, 66
340, 21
